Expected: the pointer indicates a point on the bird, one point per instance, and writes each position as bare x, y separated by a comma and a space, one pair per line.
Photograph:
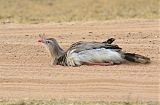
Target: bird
90, 53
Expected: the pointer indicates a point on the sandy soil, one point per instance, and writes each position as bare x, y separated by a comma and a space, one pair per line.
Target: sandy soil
25, 70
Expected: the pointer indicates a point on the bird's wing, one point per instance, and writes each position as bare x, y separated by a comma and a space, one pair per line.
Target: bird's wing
81, 46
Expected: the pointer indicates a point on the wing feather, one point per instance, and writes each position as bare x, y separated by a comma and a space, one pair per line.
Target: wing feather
81, 46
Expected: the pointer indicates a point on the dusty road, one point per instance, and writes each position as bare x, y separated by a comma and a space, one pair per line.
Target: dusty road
25, 71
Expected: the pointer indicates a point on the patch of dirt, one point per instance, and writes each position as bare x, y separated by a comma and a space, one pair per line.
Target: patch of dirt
25, 70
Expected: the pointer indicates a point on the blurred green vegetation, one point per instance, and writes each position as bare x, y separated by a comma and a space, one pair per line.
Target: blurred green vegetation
44, 11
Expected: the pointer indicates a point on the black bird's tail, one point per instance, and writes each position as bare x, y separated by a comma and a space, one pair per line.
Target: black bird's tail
136, 58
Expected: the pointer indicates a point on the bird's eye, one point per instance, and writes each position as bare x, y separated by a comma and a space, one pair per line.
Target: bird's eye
47, 42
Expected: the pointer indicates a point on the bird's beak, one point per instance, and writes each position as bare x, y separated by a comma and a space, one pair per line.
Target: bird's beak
39, 40
42, 38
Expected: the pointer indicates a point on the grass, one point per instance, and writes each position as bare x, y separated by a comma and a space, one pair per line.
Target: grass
44, 11
69, 102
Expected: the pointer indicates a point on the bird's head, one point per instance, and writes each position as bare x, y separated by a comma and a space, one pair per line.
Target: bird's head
50, 42
52, 45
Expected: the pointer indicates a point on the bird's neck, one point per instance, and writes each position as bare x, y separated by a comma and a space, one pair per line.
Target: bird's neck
56, 52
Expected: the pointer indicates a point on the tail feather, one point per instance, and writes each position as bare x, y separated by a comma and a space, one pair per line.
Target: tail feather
136, 58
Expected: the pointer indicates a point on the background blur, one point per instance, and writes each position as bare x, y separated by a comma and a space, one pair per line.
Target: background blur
44, 11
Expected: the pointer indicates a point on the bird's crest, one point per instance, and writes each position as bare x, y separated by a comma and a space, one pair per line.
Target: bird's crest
42, 37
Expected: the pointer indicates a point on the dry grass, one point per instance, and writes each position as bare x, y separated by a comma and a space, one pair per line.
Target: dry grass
69, 102
40, 11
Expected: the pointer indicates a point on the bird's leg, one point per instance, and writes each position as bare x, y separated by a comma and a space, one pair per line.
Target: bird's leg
100, 63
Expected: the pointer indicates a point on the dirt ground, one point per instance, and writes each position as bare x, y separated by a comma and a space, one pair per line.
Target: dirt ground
25, 70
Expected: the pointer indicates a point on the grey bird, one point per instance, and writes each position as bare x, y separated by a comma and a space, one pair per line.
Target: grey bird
90, 53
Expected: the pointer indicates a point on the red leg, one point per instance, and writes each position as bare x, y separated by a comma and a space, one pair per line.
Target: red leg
100, 63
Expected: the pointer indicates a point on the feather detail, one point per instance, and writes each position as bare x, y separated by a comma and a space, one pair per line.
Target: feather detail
94, 55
